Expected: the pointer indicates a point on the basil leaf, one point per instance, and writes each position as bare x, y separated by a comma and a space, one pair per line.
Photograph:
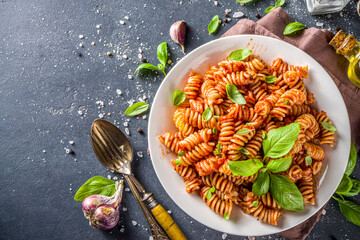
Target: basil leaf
344, 186
244, 151
212, 189
355, 189
214, 130
248, 124
261, 184
217, 117
226, 216
234, 95
279, 3
286, 193
263, 135
179, 97
243, 132
279, 165
146, 66
328, 126
350, 210
293, 27
162, 53
136, 109
214, 25
269, 9
181, 153
95, 185
308, 160
279, 142
178, 161
239, 55
207, 114
270, 79
244, 1
208, 195
218, 151
352, 160
255, 203
245, 168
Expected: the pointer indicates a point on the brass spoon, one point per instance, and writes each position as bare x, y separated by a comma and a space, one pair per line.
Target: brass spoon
115, 152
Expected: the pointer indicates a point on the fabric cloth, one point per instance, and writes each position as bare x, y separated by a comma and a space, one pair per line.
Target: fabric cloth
315, 42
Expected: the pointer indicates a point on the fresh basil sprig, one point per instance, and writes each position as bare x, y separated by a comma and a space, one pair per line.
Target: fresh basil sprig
269, 9
136, 109
214, 25
234, 95
244, 151
344, 186
328, 126
95, 185
279, 165
355, 189
352, 160
293, 27
208, 193
162, 55
239, 55
179, 97
181, 153
245, 168
286, 193
178, 161
270, 79
262, 184
219, 147
350, 210
308, 160
207, 114
243, 132
279, 142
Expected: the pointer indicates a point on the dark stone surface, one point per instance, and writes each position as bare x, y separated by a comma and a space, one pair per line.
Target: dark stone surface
47, 78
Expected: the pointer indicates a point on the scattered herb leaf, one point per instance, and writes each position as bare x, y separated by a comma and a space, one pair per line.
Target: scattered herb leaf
261, 184
244, 151
219, 147
95, 185
178, 161
234, 95
245, 168
179, 97
355, 189
279, 3
162, 53
181, 153
269, 9
207, 114
214, 25
214, 130
344, 186
270, 79
308, 160
279, 165
239, 55
352, 160
136, 109
255, 203
226, 216
328, 126
293, 27
350, 210
243, 132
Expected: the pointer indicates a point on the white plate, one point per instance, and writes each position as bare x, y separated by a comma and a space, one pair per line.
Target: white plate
328, 98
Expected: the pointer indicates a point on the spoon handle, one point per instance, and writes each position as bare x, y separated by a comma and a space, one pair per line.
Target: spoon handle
156, 231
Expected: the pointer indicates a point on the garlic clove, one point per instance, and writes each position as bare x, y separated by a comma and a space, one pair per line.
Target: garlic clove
178, 33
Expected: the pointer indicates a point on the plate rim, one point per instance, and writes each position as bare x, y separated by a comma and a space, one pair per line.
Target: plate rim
193, 52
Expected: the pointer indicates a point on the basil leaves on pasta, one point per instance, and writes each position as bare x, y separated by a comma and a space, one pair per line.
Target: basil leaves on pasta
234, 95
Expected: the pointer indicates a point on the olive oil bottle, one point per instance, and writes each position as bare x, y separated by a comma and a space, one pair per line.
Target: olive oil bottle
349, 47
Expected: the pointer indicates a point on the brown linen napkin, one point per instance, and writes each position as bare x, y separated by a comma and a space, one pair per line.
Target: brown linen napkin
315, 42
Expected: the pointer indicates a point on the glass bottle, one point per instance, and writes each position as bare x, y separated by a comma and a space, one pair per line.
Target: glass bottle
349, 47
325, 6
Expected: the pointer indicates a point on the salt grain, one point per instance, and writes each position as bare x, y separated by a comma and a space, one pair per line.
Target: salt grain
238, 14
251, 238
122, 22
124, 209
122, 230
109, 176
319, 24
71, 142
81, 45
81, 36
115, 178
127, 189
80, 112
323, 212
130, 77
127, 131
169, 211
125, 56
140, 154
216, 3
98, 26
224, 236
126, 124
127, 17
101, 115
118, 91
134, 223
151, 238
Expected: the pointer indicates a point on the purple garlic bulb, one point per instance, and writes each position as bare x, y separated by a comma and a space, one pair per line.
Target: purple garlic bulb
178, 33
103, 211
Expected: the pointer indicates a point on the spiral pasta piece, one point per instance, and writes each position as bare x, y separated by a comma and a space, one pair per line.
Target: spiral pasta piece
216, 204
196, 121
269, 202
190, 177
170, 141
193, 85
314, 151
207, 166
285, 102
326, 136
185, 128
210, 93
197, 153
194, 139
309, 127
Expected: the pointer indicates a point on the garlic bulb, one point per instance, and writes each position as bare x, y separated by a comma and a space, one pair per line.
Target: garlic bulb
178, 33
